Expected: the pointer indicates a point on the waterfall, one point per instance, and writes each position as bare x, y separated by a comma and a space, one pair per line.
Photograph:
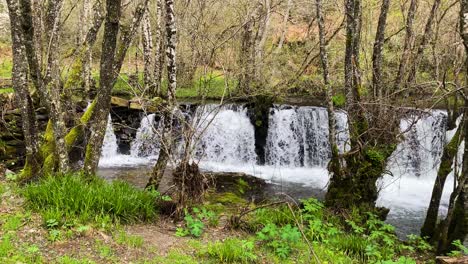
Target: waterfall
420, 152
297, 152
109, 145
147, 140
298, 136
225, 134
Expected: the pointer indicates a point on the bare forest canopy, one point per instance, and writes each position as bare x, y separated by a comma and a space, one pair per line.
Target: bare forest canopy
282, 46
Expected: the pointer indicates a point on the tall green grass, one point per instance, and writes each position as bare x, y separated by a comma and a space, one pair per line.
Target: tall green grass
75, 197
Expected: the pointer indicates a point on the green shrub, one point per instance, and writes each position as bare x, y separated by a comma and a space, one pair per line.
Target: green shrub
232, 250
281, 240
194, 223
460, 249
64, 198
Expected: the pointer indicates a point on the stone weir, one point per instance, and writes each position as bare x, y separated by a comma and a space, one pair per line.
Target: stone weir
126, 116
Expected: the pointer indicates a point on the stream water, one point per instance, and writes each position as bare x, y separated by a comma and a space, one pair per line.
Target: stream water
296, 155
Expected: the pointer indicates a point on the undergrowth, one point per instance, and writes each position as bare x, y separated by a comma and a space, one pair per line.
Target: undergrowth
75, 198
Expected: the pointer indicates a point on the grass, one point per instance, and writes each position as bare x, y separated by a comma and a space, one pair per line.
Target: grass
232, 250
6, 65
211, 86
69, 197
123, 238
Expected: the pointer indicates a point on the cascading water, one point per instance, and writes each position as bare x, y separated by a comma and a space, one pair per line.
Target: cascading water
298, 136
297, 152
226, 135
413, 168
147, 140
109, 154
109, 145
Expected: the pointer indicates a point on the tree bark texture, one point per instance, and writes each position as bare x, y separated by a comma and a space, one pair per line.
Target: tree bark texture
377, 53
408, 43
21, 87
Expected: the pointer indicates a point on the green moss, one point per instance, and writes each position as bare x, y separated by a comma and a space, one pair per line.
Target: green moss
339, 100
227, 198
75, 75
49, 165
6, 90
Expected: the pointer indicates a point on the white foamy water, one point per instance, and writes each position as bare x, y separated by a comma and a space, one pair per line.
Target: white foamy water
297, 151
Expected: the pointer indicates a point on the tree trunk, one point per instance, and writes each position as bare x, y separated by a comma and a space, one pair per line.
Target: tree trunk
246, 59
426, 37
88, 54
167, 141
334, 165
159, 49
263, 34
21, 87
284, 26
107, 79
112, 59
407, 45
378, 47
148, 54
450, 151
53, 84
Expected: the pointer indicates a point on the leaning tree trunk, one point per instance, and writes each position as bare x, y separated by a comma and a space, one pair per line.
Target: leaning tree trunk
107, 79
21, 87
426, 37
406, 46
112, 59
455, 225
378, 47
450, 151
334, 165
167, 140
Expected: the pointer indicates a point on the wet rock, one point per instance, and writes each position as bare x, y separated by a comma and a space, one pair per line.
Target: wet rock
239, 183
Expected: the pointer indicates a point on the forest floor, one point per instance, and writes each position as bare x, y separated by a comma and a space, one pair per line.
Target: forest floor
267, 234
26, 239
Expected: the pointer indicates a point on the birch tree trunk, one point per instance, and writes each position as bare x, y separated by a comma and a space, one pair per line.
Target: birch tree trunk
159, 49
52, 82
284, 26
167, 140
148, 54
334, 165
88, 54
263, 34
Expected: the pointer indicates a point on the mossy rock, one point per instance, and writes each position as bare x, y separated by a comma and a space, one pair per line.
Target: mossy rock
227, 198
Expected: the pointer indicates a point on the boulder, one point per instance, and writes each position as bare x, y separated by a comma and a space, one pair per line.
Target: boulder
452, 260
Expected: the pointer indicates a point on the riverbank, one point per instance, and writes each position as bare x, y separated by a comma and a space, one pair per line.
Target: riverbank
269, 233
